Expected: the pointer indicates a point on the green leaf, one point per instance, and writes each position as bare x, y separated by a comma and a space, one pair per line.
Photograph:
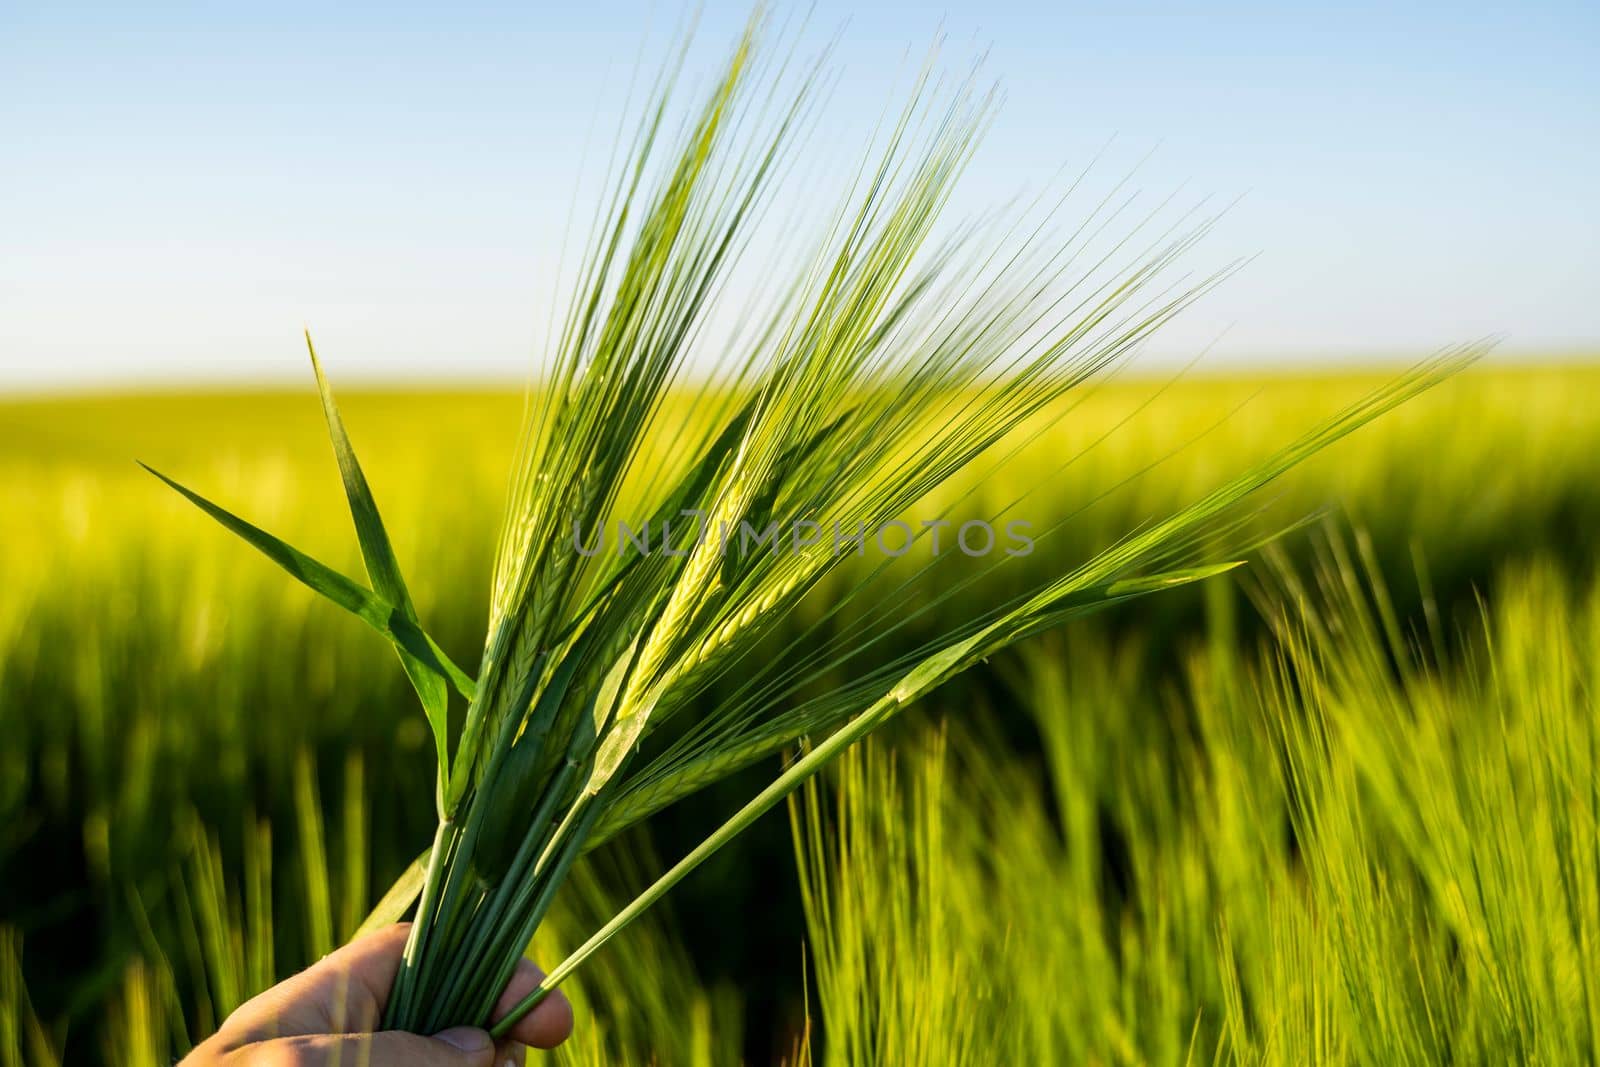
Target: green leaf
384, 570
343, 591
398, 899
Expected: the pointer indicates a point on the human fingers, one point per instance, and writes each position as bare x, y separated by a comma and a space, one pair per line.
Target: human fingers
459, 1047
344, 992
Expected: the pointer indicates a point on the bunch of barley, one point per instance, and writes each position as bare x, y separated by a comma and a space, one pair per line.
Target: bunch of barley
881, 365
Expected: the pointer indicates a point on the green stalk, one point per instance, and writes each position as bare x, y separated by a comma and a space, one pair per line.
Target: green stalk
473, 947
444, 910
541, 904
399, 1006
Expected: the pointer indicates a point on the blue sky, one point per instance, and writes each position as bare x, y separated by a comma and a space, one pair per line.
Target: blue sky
184, 186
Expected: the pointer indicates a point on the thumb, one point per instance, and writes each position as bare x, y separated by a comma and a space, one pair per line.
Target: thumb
462, 1046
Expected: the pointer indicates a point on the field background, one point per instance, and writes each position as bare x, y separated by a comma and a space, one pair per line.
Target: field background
165, 696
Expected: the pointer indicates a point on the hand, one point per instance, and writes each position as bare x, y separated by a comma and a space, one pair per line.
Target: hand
327, 1014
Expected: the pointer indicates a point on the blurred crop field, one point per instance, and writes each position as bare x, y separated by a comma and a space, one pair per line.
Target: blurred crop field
1340, 806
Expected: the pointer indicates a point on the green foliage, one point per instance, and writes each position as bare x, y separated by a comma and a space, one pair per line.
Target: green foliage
1340, 849
428, 673
148, 666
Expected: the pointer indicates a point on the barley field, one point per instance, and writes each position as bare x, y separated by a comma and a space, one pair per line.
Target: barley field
1337, 806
